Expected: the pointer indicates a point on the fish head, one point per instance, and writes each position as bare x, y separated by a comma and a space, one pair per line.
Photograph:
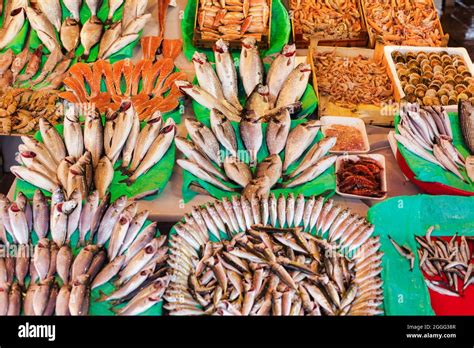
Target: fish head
249, 42
221, 46
304, 68
43, 243
182, 85
27, 154
263, 90
218, 116
155, 117
199, 58
71, 22
289, 50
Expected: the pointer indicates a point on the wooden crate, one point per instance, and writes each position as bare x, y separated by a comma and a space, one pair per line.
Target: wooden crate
263, 43
359, 41
373, 37
370, 114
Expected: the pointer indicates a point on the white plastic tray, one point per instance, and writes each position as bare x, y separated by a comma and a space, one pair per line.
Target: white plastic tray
327, 121
379, 158
399, 93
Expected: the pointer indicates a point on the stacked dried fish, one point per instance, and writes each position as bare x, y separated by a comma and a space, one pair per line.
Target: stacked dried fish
350, 81
213, 156
49, 76
56, 282
266, 261
218, 89
21, 109
233, 19
328, 19
85, 157
434, 78
45, 18
426, 132
407, 23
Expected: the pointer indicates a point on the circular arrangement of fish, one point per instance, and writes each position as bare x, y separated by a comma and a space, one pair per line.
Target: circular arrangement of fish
274, 257
213, 155
66, 266
93, 155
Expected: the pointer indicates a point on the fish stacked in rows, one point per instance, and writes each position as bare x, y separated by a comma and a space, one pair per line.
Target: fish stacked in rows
213, 156
46, 19
86, 156
148, 83
427, 132
57, 277
274, 257
218, 89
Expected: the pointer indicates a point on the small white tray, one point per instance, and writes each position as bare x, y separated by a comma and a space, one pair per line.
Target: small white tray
399, 94
327, 121
379, 158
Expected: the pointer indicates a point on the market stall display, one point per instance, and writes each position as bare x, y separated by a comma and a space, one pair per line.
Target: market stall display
406, 220
406, 23
65, 32
431, 76
278, 34
148, 83
245, 157
121, 271
122, 157
21, 109
262, 259
351, 82
431, 144
250, 86
331, 23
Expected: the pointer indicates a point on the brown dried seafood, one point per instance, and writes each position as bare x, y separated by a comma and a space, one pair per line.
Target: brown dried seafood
434, 78
20, 109
233, 19
330, 18
407, 22
261, 269
349, 81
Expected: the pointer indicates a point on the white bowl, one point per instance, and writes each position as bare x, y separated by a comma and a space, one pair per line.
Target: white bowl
328, 121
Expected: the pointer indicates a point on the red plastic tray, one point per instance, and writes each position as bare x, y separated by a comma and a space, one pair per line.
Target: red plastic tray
433, 188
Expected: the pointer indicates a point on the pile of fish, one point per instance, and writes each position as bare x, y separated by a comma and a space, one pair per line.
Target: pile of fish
213, 155
426, 132
46, 19
21, 108
258, 258
466, 121
148, 84
284, 85
448, 264
233, 19
86, 156
49, 76
47, 279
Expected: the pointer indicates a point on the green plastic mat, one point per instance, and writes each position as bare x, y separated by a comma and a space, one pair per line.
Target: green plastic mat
156, 178
325, 183
430, 172
279, 35
18, 43
96, 307
405, 292
309, 99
